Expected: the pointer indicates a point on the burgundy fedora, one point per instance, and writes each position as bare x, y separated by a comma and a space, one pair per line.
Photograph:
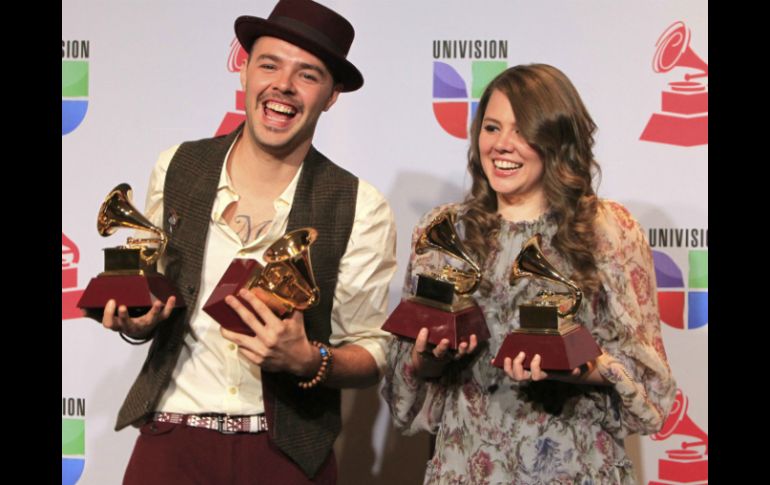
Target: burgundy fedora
311, 26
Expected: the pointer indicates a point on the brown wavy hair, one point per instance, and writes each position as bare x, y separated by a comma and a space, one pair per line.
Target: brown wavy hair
552, 118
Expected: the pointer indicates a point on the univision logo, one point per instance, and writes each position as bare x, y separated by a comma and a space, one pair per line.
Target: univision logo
73, 439
453, 103
680, 296
74, 83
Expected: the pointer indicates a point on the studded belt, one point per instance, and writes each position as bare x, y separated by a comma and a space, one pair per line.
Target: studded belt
218, 422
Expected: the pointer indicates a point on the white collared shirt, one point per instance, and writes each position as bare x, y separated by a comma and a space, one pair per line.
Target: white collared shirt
210, 375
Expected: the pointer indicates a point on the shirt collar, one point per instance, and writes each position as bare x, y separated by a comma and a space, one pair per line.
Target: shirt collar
285, 198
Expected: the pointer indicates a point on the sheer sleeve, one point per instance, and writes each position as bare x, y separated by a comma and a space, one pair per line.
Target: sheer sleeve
415, 404
627, 326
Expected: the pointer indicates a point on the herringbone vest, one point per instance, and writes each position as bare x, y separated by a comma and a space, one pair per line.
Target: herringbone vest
303, 423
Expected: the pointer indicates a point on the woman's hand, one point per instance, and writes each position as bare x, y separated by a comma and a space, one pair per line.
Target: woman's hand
516, 371
431, 362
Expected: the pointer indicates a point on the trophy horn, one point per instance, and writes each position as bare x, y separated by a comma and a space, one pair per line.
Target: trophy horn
117, 211
532, 263
289, 274
441, 235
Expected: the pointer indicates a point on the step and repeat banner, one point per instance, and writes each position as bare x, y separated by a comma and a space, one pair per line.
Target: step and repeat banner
139, 77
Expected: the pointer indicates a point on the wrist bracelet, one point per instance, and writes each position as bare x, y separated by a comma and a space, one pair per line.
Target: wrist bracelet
135, 341
323, 371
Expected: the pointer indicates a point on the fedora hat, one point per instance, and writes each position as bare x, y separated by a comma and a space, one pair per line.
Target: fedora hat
311, 26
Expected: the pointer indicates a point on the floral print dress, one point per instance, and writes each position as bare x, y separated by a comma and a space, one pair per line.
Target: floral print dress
490, 429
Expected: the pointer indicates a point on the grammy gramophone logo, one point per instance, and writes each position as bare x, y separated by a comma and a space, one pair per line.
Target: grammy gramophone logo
235, 60
70, 293
686, 460
683, 118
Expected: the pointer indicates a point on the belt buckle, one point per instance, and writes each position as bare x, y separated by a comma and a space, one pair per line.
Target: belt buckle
220, 425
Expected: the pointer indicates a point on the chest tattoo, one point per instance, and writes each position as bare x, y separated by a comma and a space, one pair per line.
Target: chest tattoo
248, 231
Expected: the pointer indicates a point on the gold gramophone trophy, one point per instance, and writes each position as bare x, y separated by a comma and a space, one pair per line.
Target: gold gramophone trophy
545, 329
130, 274
442, 300
285, 283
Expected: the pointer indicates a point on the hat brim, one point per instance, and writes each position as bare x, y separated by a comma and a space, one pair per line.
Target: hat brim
248, 29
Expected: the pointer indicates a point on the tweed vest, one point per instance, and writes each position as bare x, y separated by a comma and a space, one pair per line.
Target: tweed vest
302, 423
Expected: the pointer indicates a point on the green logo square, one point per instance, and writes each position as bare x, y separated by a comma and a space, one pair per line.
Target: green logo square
699, 269
483, 73
73, 436
74, 79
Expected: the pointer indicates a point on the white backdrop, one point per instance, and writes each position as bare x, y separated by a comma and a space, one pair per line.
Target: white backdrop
158, 75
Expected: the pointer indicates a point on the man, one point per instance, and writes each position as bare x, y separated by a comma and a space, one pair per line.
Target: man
216, 406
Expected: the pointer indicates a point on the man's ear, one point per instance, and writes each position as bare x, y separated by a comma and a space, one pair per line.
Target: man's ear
336, 90
244, 66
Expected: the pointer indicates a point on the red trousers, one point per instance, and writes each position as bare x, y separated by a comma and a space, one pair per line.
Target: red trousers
175, 454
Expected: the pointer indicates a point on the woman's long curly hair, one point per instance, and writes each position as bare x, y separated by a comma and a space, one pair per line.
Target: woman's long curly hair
552, 118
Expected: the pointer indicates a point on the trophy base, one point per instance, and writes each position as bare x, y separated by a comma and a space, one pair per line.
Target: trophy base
557, 352
242, 273
409, 317
137, 292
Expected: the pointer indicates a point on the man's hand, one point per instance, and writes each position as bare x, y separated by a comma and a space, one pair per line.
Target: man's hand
279, 344
139, 327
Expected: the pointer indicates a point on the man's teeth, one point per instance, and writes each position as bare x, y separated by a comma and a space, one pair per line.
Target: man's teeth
506, 165
280, 108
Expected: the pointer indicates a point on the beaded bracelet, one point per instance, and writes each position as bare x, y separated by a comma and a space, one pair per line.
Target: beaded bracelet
323, 371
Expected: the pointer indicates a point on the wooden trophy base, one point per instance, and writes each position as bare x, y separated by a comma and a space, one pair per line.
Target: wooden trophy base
409, 317
241, 273
557, 352
136, 291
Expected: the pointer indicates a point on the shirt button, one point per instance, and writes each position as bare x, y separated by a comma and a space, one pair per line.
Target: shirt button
233, 390
232, 346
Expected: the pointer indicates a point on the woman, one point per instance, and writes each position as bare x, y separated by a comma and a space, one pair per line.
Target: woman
532, 165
